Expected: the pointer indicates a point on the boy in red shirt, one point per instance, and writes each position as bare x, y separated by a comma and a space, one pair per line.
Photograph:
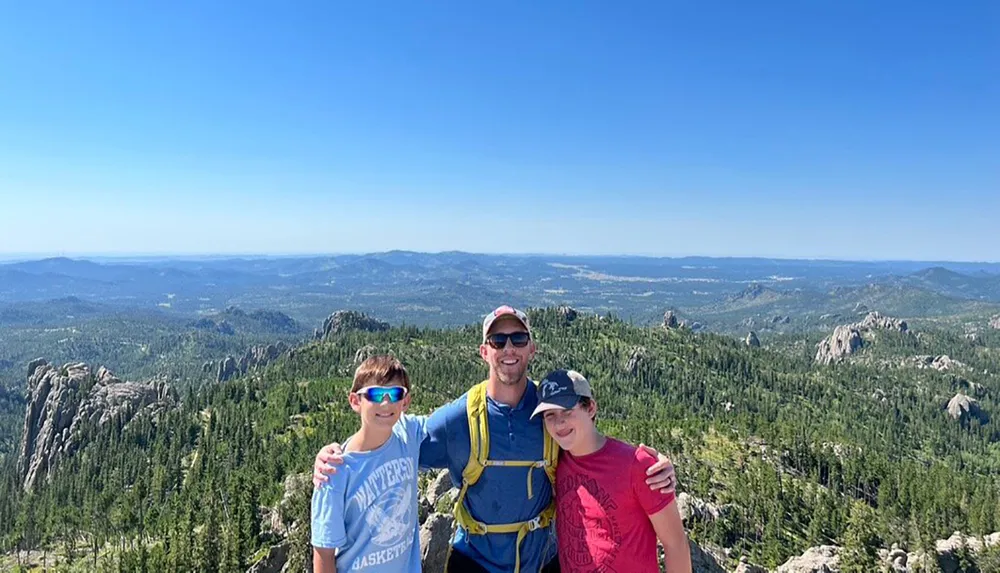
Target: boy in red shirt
607, 518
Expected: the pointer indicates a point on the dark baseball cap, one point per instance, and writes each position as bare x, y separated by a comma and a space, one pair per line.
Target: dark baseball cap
561, 390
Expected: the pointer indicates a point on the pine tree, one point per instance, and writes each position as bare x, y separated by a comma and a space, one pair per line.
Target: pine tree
860, 548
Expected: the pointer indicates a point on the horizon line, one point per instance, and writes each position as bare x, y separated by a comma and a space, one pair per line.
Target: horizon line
12, 257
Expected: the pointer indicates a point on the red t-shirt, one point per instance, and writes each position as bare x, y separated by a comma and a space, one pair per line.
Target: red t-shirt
603, 506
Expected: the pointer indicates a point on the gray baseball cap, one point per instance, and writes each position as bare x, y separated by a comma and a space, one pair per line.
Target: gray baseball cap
500, 312
561, 390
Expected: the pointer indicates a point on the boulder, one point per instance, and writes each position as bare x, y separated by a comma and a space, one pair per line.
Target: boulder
822, 559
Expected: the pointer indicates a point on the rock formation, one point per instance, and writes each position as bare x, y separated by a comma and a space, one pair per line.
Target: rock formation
635, 359
64, 401
849, 338
347, 320
995, 321
822, 559
670, 319
568, 313
752, 340
965, 408
939, 363
254, 358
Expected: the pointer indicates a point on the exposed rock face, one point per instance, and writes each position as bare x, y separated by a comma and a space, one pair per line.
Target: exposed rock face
875, 321
844, 341
568, 313
939, 363
635, 360
752, 340
274, 561
694, 509
435, 535
364, 353
848, 338
227, 369
62, 401
704, 559
965, 408
254, 358
995, 321
670, 320
347, 320
822, 559
745, 566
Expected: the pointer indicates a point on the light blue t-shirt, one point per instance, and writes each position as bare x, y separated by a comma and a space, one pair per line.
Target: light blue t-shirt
368, 509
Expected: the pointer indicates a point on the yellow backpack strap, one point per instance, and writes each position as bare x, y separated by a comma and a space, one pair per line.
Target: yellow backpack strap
479, 447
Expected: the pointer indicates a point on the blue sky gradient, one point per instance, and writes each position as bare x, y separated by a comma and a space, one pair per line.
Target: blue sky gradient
850, 129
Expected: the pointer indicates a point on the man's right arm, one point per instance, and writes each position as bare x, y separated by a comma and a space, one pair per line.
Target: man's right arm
434, 447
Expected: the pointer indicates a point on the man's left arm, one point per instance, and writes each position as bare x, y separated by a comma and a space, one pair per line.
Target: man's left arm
660, 476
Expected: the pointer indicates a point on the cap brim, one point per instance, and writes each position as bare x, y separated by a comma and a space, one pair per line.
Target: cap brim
556, 403
506, 316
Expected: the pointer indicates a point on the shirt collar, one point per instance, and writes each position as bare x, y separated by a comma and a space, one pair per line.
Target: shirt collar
528, 400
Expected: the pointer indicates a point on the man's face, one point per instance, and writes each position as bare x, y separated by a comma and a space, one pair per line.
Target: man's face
510, 363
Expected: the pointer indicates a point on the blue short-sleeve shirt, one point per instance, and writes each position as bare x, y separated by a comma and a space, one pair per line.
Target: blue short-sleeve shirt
501, 494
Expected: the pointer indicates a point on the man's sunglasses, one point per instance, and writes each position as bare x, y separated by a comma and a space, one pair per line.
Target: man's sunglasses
377, 394
499, 340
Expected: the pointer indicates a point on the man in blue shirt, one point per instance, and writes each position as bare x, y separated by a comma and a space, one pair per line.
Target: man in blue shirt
503, 494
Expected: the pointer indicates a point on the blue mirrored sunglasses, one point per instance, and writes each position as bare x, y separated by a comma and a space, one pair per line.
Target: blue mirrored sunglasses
377, 394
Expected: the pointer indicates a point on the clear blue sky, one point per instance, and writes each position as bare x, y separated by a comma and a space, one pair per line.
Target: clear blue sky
847, 129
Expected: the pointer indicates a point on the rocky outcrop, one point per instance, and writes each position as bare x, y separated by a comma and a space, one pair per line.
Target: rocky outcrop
435, 535
273, 562
64, 401
253, 359
822, 559
995, 322
826, 558
966, 408
876, 321
752, 340
694, 509
704, 558
348, 320
744, 566
939, 363
670, 320
364, 353
844, 341
568, 313
635, 360
849, 338
227, 369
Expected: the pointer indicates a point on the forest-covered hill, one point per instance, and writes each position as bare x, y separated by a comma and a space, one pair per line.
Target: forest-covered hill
788, 449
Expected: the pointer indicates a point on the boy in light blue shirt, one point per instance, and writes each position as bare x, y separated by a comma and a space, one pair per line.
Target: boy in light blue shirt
365, 517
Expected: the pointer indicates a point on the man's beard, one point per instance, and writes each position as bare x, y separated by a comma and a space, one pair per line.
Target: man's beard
511, 378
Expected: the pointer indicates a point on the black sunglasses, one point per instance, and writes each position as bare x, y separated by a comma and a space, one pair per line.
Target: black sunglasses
499, 340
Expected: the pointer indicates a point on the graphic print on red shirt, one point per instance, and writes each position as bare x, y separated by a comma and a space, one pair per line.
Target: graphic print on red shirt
603, 509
